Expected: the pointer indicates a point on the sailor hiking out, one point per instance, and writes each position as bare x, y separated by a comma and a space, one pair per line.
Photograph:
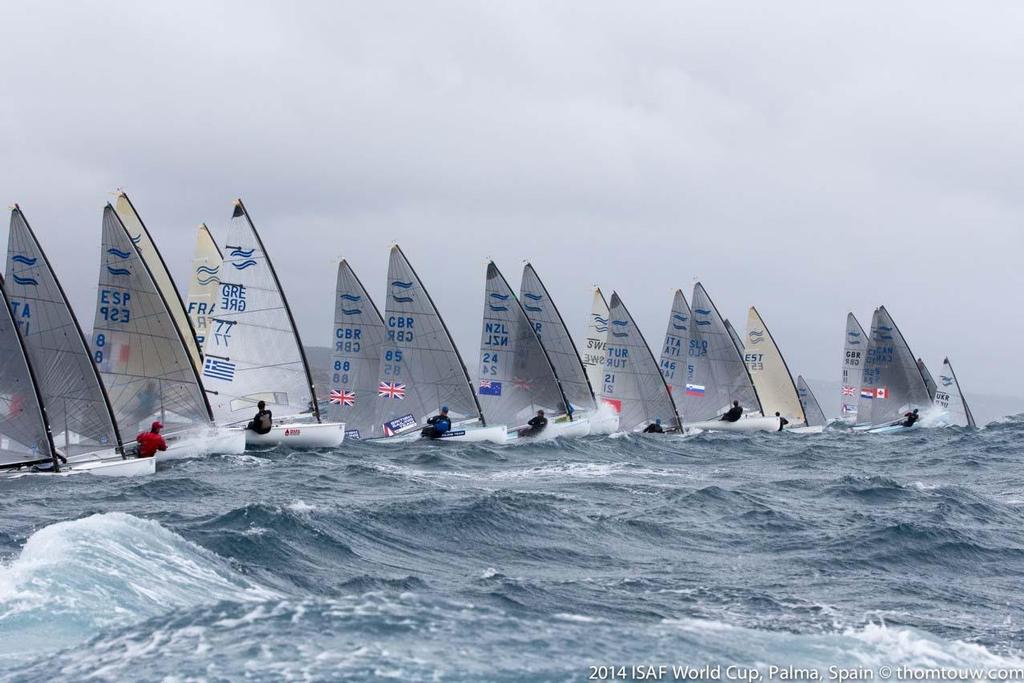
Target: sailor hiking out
438, 424
733, 414
150, 442
263, 422
655, 427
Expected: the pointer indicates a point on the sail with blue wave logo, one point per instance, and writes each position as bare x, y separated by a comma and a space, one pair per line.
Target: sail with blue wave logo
515, 376
66, 376
24, 435
769, 372
596, 341
204, 285
950, 398
673, 349
633, 384
143, 241
554, 335
855, 345
714, 364
356, 339
891, 383
812, 409
138, 348
252, 350
419, 354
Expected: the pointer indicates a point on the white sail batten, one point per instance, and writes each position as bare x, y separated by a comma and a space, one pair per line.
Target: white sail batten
252, 351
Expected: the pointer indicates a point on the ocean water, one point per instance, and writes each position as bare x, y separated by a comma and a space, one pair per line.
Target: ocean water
446, 562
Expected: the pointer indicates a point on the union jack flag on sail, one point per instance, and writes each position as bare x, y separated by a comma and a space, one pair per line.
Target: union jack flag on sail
391, 390
849, 390
345, 398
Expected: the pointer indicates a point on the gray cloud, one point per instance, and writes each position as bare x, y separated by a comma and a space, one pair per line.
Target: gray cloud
806, 158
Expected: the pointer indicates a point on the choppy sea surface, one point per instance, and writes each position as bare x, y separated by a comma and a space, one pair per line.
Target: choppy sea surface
445, 562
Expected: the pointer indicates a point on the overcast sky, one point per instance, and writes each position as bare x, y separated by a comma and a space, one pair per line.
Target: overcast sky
803, 157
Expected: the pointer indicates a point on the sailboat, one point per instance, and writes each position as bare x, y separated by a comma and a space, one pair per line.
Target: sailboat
204, 286
812, 409
950, 399
855, 345
717, 374
357, 337
143, 241
634, 385
892, 382
595, 353
674, 349
141, 355
770, 374
252, 351
569, 368
420, 369
516, 377
78, 413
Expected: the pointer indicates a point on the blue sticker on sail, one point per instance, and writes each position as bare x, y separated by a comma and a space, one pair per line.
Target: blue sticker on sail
24, 280
533, 309
350, 297
682, 320
703, 323
136, 239
118, 271
25, 260
533, 297
213, 279
351, 311
244, 253
499, 297
946, 381
756, 336
702, 311
601, 324
207, 270
118, 253
498, 309
248, 263
401, 285
620, 323
216, 368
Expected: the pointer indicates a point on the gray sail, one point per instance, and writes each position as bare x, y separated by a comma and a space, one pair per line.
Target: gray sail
892, 382
420, 368
547, 321
716, 372
950, 398
634, 386
136, 345
736, 339
516, 378
673, 350
855, 345
815, 416
926, 375
357, 337
24, 437
66, 376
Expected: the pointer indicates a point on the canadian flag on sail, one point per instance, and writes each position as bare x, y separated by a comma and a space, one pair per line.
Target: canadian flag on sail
882, 392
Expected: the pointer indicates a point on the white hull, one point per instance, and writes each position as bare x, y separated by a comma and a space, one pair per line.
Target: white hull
299, 435
201, 442
889, 429
745, 424
817, 429
491, 434
131, 467
555, 430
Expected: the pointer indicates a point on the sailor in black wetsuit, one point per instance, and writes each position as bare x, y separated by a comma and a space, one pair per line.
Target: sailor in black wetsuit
264, 420
733, 413
537, 425
782, 421
437, 425
910, 418
655, 427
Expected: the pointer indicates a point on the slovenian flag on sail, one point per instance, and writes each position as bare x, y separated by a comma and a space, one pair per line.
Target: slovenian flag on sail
695, 390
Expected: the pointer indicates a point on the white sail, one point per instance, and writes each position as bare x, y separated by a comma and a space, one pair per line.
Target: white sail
674, 348
634, 386
892, 382
950, 398
161, 275
926, 375
716, 372
358, 334
252, 350
516, 378
769, 372
136, 345
812, 409
855, 345
66, 376
595, 353
204, 286
554, 335
24, 436
421, 371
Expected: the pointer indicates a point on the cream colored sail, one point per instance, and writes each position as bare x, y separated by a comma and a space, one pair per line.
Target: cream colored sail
769, 373
161, 275
595, 354
204, 285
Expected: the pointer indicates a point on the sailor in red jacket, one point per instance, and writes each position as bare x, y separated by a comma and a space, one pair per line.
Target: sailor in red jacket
150, 442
